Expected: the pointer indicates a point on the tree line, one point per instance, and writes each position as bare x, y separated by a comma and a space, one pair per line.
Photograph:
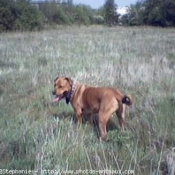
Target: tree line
27, 15
151, 12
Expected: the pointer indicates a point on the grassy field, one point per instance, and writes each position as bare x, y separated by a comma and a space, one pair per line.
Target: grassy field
38, 135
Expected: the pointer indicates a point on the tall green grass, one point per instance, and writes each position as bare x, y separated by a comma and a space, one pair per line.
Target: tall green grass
37, 135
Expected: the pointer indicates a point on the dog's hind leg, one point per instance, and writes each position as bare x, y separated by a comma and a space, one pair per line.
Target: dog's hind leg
121, 115
102, 127
102, 121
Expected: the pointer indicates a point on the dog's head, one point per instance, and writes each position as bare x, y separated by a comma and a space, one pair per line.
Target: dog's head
62, 87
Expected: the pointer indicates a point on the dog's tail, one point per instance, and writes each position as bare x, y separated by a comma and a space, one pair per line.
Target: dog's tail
127, 100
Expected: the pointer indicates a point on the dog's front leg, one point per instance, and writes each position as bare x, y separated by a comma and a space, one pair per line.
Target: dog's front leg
78, 114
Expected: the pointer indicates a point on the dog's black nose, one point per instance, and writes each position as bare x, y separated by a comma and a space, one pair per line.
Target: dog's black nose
53, 92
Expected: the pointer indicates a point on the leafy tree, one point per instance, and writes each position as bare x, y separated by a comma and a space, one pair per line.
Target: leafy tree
110, 8
55, 12
66, 12
97, 19
19, 15
152, 12
50, 11
135, 14
28, 17
169, 10
83, 15
60, 17
6, 15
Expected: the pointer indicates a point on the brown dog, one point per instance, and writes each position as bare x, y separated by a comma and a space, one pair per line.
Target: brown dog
87, 99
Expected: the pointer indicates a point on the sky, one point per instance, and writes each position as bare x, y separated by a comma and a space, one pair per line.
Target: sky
98, 3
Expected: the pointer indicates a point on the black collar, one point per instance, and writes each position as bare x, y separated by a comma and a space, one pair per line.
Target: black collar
71, 93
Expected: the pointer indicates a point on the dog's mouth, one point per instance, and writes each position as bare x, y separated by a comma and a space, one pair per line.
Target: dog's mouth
59, 97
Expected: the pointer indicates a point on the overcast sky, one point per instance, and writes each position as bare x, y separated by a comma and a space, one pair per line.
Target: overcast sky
99, 3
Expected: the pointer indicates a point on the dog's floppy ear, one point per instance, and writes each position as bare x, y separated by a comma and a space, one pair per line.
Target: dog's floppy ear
69, 80
56, 79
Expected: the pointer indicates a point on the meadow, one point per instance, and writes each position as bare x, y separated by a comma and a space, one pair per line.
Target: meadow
36, 134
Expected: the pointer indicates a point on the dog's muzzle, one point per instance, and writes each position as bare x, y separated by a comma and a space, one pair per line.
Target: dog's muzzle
58, 97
